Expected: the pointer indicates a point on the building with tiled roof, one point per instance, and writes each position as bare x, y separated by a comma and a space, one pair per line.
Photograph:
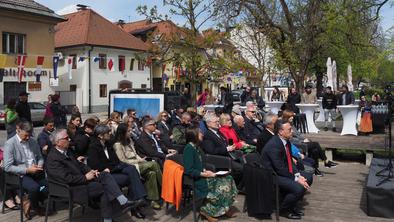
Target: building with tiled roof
104, 57
26, 28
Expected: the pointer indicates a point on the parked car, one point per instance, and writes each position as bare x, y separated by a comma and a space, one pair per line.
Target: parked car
37, 113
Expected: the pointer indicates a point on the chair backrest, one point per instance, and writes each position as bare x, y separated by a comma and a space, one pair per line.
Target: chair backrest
178, 158
253, 158
12, 179
58, 189
220, 162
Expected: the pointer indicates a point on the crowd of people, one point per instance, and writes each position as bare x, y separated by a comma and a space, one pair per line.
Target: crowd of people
130, 151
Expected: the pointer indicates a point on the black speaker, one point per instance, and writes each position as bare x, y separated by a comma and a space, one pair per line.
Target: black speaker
172, 100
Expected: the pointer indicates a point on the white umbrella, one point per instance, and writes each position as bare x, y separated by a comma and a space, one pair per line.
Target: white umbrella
329, 72
349, 77
334, 75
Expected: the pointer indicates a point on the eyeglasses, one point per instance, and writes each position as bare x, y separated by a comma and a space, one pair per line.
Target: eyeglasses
164, 115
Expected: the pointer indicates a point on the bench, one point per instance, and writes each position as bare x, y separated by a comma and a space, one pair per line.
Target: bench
331, 141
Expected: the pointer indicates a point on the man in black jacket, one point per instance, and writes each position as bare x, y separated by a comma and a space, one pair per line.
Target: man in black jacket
268, 132
226, 99
64, 168
293, 99
148, 145
250, 123
329, 107
23, 108
43, 138
276, 154
346, 97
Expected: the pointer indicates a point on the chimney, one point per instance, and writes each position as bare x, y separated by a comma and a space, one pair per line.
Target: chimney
81, 7
120, 23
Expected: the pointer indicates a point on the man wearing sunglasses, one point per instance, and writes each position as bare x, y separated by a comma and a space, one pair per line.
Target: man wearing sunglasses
251, 124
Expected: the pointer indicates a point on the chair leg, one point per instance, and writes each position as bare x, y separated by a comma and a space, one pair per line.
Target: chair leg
47, 208
277, 201
4, 195
245, 207
194, 208
70, 210
21, 196
83, 209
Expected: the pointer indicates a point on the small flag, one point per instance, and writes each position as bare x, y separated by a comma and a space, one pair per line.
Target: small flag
111, 67
70, 60
96, 59
81, 59
55, 64
21, 66
40, 62
121, 64
3, 58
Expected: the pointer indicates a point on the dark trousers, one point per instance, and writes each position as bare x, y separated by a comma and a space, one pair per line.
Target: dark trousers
292, 190
316, 152
105, 188
33, 186
130, 177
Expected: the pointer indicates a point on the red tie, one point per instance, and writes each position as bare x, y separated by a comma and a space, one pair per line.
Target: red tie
289, 160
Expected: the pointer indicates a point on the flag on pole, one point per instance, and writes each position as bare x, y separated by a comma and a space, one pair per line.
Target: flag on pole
40, 62
70, 60
55, 64
3, 58
121, 64
81, 59
21, 66
96, 59
111, 66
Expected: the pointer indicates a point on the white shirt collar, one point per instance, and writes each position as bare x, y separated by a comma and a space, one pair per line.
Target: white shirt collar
283, 141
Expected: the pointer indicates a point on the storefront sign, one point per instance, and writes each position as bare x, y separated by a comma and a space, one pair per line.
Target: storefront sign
34, 86
26, 72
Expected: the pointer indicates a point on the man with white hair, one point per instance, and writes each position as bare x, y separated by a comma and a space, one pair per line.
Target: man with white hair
239, 126
268, 132
64, 168
251, 124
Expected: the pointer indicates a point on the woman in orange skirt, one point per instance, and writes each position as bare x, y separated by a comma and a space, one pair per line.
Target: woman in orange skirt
366, 116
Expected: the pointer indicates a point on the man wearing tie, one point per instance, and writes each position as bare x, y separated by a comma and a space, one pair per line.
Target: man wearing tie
277, 155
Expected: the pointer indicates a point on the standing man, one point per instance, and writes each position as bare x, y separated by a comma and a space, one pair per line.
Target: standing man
245, 95
43, 138
23, 108
309, 97
226, 99
346, 97
329, 107
276, 155
293, 99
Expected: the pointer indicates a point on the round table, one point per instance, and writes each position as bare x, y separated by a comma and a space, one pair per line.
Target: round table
275, 106
309, 110
349, 115
321, 118
211, 108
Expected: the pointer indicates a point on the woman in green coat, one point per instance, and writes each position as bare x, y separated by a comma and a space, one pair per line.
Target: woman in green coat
218, 192
11, 118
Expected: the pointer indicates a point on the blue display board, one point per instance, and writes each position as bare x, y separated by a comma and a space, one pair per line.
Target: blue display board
143, 103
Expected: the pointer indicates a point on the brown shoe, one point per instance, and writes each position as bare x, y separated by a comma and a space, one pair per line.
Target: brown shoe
232, 212
209, 218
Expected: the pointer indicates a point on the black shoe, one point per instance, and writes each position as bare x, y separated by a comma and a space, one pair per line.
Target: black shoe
330, 164
298, 212
290, 215
318, 173
130, 204
137, 214
325, 128
334, 129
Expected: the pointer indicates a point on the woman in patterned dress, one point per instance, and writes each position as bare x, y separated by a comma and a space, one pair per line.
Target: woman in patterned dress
218, 192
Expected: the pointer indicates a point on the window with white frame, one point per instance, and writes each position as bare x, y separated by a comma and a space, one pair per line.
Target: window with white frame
14, 43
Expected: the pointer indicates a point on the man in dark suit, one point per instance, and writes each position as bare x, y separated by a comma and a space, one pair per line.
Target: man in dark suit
23, 108
268, 132
251, 124
148, 145
276, 154
64, 168
215, 143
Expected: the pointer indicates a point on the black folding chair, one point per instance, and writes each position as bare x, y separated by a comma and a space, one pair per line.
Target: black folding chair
12, 181
65, 193
188, 186
256, 158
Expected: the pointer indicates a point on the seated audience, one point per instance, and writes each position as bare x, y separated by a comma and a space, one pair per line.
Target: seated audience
179, 131
215, 143
149, 146
114, 121
43, 138
64, 168
176, 117
231, 136
242, 132
81, 141
149, 170
22, 156
314, 150
164, 128
73, 127
102, 157
251, 123
219, 192
276, 154
268, 132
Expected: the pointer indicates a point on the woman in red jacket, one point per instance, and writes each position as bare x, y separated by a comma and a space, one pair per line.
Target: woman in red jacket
229, 133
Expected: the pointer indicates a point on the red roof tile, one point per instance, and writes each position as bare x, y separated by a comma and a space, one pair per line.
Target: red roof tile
86, 27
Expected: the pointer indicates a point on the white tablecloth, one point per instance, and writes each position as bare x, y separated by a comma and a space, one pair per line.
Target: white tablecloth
309, 110
349, 115
275, 106
211, 108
